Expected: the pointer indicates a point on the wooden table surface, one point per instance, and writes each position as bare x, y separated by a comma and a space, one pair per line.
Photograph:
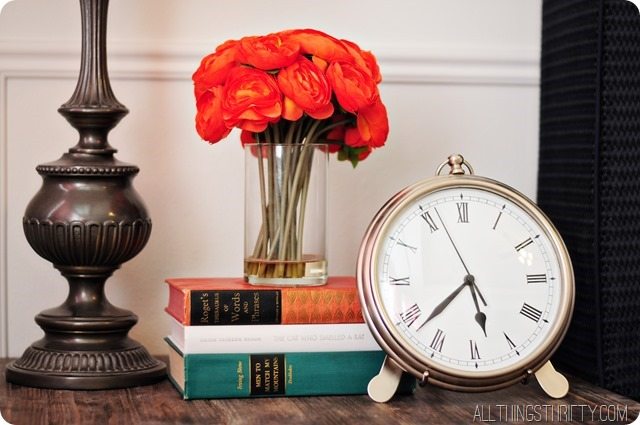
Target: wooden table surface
161, 403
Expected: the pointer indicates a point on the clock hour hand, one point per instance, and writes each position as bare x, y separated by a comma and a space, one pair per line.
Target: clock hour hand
440, 307
480, 317
475, 287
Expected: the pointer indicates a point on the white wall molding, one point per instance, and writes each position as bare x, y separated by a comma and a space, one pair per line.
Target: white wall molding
419, 64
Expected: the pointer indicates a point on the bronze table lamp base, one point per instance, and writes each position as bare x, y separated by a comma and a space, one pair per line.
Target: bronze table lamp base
87, 219
85, 344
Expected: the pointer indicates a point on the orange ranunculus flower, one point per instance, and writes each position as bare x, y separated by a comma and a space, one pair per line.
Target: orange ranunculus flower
318, 44
336, 137
372, 127
247, 137
209, 122
353, 87
372, 64
364, 59
306, 90
251, 99
268, 52
214, 68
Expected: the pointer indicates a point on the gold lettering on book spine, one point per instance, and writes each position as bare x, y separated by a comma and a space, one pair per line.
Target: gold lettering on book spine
216, 308
267, 376
240, 376
235, 307
276, 374
255, 314
257, 375
204, 317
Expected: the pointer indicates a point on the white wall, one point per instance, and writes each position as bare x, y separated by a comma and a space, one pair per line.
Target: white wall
460, 76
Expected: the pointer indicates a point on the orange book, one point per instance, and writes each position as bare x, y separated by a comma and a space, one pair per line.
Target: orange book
231, 301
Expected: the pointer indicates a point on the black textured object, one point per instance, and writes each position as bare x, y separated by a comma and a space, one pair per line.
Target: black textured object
87, 219
589, 179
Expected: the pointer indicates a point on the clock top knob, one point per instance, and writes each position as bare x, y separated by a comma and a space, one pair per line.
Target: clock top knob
457, 164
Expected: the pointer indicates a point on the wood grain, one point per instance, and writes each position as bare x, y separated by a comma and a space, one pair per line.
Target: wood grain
161, 403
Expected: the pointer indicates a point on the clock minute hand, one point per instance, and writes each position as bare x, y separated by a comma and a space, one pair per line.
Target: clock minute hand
440, 307
452, 242
473, 282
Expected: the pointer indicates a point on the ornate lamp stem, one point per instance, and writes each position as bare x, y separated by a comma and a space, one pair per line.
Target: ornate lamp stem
93, 108
87, 219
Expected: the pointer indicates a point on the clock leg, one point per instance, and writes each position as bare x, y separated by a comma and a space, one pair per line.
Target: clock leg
552, 382
383, 386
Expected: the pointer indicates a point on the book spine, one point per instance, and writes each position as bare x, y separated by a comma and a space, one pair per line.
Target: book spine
284, 374
231, 301
267, 306
273, 338
177, 305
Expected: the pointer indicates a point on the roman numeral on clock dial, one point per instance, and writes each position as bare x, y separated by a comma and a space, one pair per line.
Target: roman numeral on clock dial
537, 278
530, 312
438, 341
522, 245
409, 247
511, 344
475, 354
430, 221
403, 281
410, 315
463, 212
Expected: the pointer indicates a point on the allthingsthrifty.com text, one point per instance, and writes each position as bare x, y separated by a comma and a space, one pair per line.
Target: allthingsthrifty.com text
550, 413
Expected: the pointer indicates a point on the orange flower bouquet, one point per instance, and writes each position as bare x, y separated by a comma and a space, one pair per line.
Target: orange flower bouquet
300, 88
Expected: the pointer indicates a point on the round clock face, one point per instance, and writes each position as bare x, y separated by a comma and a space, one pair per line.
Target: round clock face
468, 280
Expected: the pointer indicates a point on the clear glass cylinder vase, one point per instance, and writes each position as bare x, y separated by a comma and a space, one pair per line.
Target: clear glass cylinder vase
285, 214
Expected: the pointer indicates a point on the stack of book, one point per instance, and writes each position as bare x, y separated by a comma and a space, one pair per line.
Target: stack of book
231, 339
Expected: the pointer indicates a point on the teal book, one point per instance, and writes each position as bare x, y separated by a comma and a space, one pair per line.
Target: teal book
199, 376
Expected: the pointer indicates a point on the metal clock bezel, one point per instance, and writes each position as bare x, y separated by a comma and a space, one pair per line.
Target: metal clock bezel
421, 366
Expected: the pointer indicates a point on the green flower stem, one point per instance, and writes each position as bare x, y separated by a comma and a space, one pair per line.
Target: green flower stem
286, 180
301, 127
333, 125
300, 166
292, 129
284, 191
303, 203
271, 194
260, 248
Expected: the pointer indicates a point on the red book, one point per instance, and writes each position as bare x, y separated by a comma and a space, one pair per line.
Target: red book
231, 301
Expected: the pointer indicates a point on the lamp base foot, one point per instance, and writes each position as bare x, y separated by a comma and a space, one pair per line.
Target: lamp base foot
86, 370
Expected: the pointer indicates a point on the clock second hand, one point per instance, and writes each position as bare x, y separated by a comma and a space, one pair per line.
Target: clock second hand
473, 283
